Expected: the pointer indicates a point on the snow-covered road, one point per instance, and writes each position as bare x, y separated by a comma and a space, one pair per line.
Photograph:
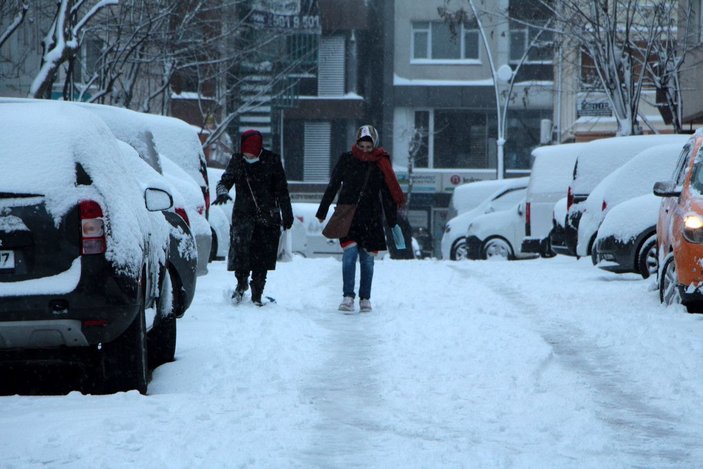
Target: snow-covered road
541, 363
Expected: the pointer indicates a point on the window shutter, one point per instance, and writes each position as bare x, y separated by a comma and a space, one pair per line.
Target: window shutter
330, 80
317, 151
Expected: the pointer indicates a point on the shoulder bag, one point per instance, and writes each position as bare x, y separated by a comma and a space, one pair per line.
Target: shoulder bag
340, 221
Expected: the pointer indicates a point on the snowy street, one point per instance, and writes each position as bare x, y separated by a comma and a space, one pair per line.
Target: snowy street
540, 363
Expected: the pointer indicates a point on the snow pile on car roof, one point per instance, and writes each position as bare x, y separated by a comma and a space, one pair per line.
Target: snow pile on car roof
41, 144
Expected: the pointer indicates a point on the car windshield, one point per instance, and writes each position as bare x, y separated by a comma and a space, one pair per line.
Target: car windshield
508, 199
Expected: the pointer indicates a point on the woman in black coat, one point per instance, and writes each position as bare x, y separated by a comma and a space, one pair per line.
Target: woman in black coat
261, 207
365, 175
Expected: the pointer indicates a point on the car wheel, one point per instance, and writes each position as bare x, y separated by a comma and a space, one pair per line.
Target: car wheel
669, 292
125, 358
459, 250
213, 246
546, 251
161, 340
497, 249
647, 261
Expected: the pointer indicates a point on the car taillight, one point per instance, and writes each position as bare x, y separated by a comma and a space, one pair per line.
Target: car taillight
182, 213
207, 200
569, 199
301, 218
528, 215
92, 228
604, 206
200, 209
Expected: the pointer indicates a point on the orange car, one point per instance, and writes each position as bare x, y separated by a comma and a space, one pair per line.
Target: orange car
680, 229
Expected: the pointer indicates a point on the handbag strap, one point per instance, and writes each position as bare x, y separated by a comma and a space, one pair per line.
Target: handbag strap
363, 186
253, 197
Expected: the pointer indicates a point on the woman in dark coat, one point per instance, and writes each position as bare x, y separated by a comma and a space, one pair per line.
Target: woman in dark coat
261, 207
368, 169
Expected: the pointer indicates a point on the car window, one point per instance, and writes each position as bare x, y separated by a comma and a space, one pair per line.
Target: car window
681, 165
508, 199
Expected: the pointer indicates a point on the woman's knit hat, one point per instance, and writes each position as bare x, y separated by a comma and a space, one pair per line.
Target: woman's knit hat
251, 142
367, 132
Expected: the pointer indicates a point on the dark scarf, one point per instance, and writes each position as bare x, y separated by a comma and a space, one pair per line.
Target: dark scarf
383, 160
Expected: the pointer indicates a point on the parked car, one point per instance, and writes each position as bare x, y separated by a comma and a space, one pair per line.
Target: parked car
178, 142
83, 247
467, 196
220, 217
596, 160
498, 235
310, 241
551, 173
627, 238
680, 229
635, 177
454, 238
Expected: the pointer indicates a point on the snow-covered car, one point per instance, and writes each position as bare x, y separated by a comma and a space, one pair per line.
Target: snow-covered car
82, 247
313, 243
634, 178
594, 162
453, 243
498, 235
468, 196
551, 173
627, 238
178, 142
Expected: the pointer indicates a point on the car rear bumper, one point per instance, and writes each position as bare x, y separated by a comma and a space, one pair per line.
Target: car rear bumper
97, 310
615, 256
533, 245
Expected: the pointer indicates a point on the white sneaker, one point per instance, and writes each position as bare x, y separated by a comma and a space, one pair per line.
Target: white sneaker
347, 304
365, 305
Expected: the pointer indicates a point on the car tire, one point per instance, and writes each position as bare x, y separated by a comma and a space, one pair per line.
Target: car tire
647, 260
161, 340
669, 292
496, 248
546, 251
125, 359
459, 251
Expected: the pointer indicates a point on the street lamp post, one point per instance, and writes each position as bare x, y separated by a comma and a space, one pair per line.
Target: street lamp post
503, 74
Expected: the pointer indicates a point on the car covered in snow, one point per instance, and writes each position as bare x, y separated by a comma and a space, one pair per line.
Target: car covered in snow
509, 192
83, 246
185, 167
498, 235
550, 175
634, 178
594, 162
627, 237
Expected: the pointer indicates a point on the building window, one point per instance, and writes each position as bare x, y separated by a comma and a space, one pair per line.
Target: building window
433, 41
521, 41
459, 139
421, 143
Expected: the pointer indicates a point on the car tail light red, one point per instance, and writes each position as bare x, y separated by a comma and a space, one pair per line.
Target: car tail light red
604, 206
200, 209
569, 199
528, 213
182, 212
207, 200
92, 228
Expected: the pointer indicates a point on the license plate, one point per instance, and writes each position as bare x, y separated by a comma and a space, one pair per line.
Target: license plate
7, 259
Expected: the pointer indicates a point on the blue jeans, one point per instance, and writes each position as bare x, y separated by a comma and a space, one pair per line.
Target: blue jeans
349, 271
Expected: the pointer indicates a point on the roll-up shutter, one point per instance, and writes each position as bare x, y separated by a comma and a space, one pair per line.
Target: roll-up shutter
317, 151
330, 81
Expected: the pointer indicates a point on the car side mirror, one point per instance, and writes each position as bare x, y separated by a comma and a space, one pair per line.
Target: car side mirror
666, 189
157, 199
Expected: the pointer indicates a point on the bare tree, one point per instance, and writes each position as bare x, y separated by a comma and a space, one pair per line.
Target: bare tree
16, 10
62, 41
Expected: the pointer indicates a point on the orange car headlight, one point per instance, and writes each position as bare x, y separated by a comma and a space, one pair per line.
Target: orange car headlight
693, 228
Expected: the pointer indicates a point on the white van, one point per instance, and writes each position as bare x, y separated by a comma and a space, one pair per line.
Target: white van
552, 171
596, 160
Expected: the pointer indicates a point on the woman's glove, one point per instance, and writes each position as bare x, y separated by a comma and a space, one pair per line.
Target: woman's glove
287, 223
222, 199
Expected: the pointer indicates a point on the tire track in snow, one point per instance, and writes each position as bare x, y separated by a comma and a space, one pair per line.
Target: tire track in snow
636, 422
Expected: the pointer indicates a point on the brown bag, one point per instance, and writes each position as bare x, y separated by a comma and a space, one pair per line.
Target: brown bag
340, 221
